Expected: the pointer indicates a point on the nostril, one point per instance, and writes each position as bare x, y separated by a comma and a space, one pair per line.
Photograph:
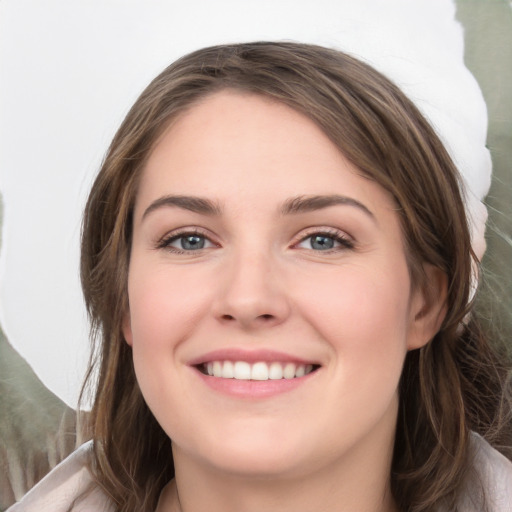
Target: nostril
267, 317
228, 317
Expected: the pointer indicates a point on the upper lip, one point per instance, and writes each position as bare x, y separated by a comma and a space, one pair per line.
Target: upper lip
250, 356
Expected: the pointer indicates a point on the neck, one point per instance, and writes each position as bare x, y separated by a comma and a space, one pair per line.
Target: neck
354, 484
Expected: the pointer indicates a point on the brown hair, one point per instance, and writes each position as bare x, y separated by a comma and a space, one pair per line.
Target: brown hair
451, 386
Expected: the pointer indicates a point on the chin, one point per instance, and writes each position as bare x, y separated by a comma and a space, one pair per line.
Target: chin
257, 463
254, 453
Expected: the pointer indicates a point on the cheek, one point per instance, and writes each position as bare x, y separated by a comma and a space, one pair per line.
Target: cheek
164, 305
363, 314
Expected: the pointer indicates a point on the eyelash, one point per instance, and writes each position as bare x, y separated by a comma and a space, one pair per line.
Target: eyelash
334, 234
164, 243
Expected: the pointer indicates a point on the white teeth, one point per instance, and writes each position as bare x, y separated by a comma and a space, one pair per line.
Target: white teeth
228, 370
289, 371
275, 371
217, 369
242, 370
259, 371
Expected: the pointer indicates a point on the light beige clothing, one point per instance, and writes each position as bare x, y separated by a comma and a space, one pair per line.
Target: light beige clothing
58, 491
494, 471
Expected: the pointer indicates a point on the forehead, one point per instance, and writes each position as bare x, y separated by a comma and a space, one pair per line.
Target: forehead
233, 145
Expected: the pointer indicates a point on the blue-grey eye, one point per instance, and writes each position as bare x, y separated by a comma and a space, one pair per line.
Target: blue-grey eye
186, 242
191, 242
322, 242
325, 242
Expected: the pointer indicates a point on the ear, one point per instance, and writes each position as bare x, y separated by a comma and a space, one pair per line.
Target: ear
127, 329
428, 307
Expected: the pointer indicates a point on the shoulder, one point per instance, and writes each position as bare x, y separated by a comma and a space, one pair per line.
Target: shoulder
58, 491
491, 480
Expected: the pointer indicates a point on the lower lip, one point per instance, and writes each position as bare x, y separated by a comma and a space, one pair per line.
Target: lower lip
253, 388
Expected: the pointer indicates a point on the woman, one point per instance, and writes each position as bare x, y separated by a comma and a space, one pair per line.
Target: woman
278, 267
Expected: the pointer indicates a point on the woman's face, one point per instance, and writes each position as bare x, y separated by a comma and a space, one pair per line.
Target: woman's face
259, 252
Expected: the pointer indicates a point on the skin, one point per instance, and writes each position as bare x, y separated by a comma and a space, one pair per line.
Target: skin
259, 284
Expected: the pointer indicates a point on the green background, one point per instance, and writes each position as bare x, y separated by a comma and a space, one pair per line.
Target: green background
488, 54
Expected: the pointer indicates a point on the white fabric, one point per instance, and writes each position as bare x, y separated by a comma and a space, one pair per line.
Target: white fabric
57, 491
495, 474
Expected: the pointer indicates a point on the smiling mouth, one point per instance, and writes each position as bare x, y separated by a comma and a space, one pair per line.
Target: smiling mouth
259, 371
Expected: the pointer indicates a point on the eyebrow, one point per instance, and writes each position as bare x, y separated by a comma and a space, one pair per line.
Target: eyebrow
303, 204
294, 205
193, 204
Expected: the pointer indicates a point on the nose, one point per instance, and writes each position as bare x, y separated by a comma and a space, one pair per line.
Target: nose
252, 294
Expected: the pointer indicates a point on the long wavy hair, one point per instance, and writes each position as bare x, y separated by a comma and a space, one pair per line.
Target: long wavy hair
455, 384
